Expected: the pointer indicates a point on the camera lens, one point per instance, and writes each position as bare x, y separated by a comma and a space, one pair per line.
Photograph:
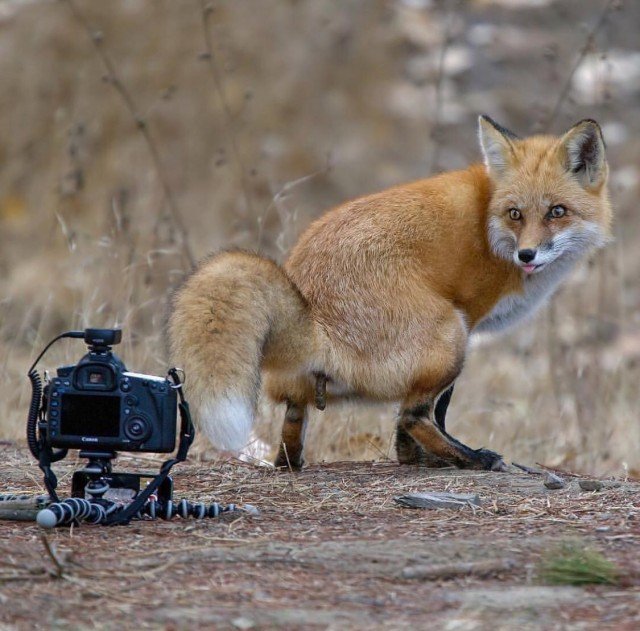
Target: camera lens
137, 428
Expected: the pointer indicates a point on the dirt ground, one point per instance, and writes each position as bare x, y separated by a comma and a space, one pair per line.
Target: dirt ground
327, 551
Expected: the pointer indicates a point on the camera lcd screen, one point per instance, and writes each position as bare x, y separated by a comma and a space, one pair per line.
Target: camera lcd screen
87, 415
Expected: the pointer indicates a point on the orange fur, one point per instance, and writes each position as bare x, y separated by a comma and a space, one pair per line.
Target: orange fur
381, 293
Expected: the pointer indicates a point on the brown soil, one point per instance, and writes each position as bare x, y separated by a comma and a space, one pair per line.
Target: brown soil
327, 551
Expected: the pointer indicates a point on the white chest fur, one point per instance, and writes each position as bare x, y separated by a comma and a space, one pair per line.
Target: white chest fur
515, 307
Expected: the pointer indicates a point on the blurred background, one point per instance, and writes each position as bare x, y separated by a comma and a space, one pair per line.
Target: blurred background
137, 136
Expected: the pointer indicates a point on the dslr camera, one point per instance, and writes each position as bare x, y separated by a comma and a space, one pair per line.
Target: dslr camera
98, 405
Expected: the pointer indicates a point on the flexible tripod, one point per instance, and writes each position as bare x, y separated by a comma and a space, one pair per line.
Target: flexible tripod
90, 485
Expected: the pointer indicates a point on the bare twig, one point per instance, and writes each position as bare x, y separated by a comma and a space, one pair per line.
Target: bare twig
375, 447
285, 190
286, 455
435, 126
51, 553
589, 41
208, 56
112, 78
526, 469
565, 473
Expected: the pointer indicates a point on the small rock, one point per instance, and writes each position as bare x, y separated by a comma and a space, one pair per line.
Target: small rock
243, 623
590, 485
553, 481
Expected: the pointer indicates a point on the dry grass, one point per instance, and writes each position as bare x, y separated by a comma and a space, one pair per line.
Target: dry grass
275, 115
575, 564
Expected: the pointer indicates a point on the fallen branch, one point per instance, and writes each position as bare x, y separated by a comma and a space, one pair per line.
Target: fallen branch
452, 570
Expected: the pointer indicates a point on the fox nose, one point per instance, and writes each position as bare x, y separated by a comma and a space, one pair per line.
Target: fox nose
527, 255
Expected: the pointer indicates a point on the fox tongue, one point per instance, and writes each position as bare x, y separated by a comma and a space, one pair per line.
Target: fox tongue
529, 268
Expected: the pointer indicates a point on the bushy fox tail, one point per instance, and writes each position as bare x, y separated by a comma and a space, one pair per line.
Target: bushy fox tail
236, 312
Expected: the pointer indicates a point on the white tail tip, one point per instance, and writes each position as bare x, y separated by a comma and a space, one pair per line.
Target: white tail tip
227, 422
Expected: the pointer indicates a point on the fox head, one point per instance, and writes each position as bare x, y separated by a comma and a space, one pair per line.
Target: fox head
550, 201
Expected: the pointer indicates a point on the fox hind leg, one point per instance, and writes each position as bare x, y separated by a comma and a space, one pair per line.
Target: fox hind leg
417, 422
409, 451
292, 442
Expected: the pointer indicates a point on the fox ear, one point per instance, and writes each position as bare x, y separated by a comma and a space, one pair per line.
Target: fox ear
496, 144
583, 152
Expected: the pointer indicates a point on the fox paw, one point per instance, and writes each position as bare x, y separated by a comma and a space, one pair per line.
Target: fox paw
489, 461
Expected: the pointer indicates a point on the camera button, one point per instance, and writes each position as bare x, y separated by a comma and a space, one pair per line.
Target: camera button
54, 393
125, 386
131, 400
137, 428
54, 413
67, 383
127, 411
54, 404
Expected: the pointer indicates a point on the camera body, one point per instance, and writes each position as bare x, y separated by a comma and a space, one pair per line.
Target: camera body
97, 404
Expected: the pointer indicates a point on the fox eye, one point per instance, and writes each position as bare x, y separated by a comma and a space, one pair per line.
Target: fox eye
557, 211
515, 214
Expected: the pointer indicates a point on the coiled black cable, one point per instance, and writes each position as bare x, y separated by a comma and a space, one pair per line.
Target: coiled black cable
32, 420
34, 411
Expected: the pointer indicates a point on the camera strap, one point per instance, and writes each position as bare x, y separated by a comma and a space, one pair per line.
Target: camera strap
187, 435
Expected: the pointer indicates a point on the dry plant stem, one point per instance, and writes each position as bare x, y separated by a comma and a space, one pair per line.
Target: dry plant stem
284, 191
141, 125
554, 357
609, 6
51, 553
527, 469
286, 455
208, 56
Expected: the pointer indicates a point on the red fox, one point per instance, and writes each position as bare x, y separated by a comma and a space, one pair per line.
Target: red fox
380, 295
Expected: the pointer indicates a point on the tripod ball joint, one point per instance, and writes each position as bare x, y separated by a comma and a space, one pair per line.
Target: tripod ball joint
73, 509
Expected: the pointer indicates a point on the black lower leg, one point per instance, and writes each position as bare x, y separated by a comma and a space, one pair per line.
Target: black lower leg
442, 406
